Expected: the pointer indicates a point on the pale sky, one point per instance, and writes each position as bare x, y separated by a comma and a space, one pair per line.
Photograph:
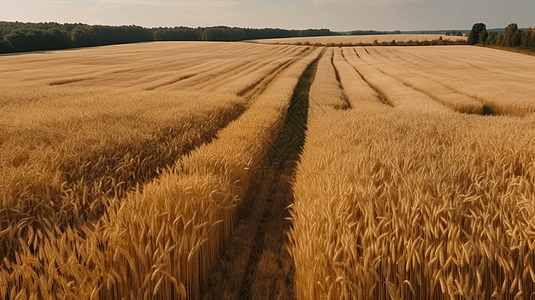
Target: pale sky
337, 15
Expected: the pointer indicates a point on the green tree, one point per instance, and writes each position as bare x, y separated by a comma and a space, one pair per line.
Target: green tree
526, 36
491, 39
528, 39
83, 36
57, 39
473, 37
499, 38
483, 37
26, 40
5, 47
176, 34
512, 36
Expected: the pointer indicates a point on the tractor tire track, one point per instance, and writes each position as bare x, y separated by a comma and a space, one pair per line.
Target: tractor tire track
282, 160
255, 263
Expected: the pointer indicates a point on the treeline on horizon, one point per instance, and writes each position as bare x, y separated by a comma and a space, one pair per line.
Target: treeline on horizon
438, 42
512, 37
446, 32
22, 37
373, 32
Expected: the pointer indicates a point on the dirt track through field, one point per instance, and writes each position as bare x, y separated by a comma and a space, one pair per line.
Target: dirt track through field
256, 262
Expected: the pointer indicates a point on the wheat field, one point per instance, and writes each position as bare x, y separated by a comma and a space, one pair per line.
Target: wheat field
413, 193
197, 170
87, 134
356, 39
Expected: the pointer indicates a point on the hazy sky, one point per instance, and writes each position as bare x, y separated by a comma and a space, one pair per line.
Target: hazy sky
291, 14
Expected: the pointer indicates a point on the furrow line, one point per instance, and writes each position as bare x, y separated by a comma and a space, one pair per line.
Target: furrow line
202, 79
266, 82
326, 90
395, 91
344, 94
487, 109
380, 95
438, 92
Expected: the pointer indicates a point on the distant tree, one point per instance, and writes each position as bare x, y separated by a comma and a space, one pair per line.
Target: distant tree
473, 37
524, 42
367, 32
176, 34
499, 38
26, 40
216, 34
531, 43
83, 36
57, 39
483, 37
5, 47
527, 40
512, 36
491, 39
237, 34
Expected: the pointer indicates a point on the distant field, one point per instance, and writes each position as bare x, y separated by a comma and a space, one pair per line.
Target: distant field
365, 39
189, 170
